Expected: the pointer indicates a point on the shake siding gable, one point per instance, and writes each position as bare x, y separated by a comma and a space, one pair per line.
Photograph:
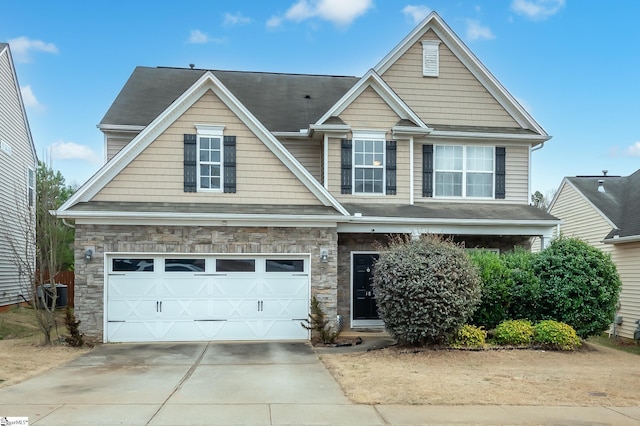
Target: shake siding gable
156, 175
455, 97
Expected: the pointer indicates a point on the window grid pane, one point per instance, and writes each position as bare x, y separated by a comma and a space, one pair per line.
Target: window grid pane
368, 163
210, 165
463, 171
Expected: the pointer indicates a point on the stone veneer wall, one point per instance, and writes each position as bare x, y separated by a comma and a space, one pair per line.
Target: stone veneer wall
89, 282
348, 243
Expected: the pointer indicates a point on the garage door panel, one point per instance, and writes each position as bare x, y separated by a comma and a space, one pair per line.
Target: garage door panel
136, 286
289, 308
235, 286
123, 310
184, 287
286, 286
132, 331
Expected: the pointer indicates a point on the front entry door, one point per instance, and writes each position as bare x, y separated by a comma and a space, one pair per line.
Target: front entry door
364, 303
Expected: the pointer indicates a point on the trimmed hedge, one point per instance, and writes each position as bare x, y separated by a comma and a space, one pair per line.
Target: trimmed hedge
514, 332
555, 335
469, 336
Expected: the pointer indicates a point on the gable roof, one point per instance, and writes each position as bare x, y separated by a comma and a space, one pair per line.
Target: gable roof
435, 23
207, 81
281, 102
619, 203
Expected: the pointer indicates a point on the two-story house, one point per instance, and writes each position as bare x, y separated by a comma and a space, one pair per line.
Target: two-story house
18, 163
230, 198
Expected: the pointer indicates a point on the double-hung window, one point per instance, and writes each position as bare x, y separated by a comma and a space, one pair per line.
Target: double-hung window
210, 157
464, 171
31, 187
369, 163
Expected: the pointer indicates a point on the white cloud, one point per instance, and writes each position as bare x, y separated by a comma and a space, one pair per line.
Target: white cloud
198, 37
237, 19
29, 99
416, 13
339, 12
22, 46
475, 31
633, 150
537, 9
61, 150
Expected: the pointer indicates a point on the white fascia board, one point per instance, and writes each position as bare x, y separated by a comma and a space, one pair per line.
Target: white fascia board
434, 22
459, 135
206, 82
292, 135
373, 80
622, 240
407, 130
329, 128
120, 128
439, 226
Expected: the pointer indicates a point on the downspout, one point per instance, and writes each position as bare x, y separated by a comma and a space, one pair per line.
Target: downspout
411, 180
64, 221
325, 154
531, 150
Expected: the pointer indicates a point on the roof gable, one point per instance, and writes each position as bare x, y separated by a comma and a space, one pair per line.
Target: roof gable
207, 81
434, 23
619, 203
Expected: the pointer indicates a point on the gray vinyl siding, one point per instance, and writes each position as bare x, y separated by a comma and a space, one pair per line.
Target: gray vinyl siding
13, 181
116, 141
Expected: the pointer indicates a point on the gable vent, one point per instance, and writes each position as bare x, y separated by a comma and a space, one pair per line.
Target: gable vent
430, 58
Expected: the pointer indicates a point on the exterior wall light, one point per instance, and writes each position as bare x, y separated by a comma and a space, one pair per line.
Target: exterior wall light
324, 255
88, 254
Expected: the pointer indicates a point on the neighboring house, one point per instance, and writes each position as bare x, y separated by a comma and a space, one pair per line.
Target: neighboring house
604, 211
230, 198
18, 163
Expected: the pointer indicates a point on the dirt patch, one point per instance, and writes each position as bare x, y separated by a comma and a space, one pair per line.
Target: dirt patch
21, 354
594, 376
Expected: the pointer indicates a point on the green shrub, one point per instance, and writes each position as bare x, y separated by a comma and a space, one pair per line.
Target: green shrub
514, 332
524, 285
495, 289
579, 285
555, 335
468, 336
425, 289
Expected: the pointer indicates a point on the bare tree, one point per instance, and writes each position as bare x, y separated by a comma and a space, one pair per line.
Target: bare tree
38, 245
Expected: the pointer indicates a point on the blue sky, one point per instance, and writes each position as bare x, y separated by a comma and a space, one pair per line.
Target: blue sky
573, 64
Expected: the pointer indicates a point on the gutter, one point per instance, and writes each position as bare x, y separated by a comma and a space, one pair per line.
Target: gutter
620, 240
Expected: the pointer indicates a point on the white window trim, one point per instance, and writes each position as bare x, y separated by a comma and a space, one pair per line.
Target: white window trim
464, 173
208, 131
31, 190
374, 136
431, 49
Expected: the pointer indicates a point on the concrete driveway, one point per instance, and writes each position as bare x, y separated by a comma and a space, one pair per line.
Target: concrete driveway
187, 384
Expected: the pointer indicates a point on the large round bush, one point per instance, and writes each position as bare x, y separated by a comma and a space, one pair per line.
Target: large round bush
579, 285
425, 289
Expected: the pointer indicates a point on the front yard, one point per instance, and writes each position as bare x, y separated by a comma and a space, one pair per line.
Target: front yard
592, 376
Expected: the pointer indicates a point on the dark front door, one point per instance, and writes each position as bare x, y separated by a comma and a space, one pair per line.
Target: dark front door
364, 303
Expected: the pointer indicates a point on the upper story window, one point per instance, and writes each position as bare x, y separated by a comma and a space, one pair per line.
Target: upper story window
368, 164
31, 187
210, 155
464, 171
4, 146
209, 160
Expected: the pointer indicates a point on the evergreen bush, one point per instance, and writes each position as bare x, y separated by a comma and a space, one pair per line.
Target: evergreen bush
514, 332
469, 336
425, 288
555, 335
579, 285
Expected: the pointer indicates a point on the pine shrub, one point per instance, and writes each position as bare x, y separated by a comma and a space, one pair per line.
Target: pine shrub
425, 289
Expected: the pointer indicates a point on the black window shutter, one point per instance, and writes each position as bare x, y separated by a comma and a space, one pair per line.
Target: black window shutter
190, 163
229, 165
427, 170
346, 167
501, 172
391, 168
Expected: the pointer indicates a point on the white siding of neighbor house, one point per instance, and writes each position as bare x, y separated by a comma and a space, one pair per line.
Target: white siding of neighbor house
157, 175
455, 97
14, 212
627, 259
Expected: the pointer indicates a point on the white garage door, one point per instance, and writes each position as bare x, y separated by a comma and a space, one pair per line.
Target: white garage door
159, 298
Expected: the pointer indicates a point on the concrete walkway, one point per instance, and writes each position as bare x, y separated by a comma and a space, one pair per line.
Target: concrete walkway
276, 383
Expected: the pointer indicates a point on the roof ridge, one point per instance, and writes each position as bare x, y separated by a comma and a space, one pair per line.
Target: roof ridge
258, 72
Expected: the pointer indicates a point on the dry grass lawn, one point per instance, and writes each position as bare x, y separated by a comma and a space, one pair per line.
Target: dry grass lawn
593, 376
21, 354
